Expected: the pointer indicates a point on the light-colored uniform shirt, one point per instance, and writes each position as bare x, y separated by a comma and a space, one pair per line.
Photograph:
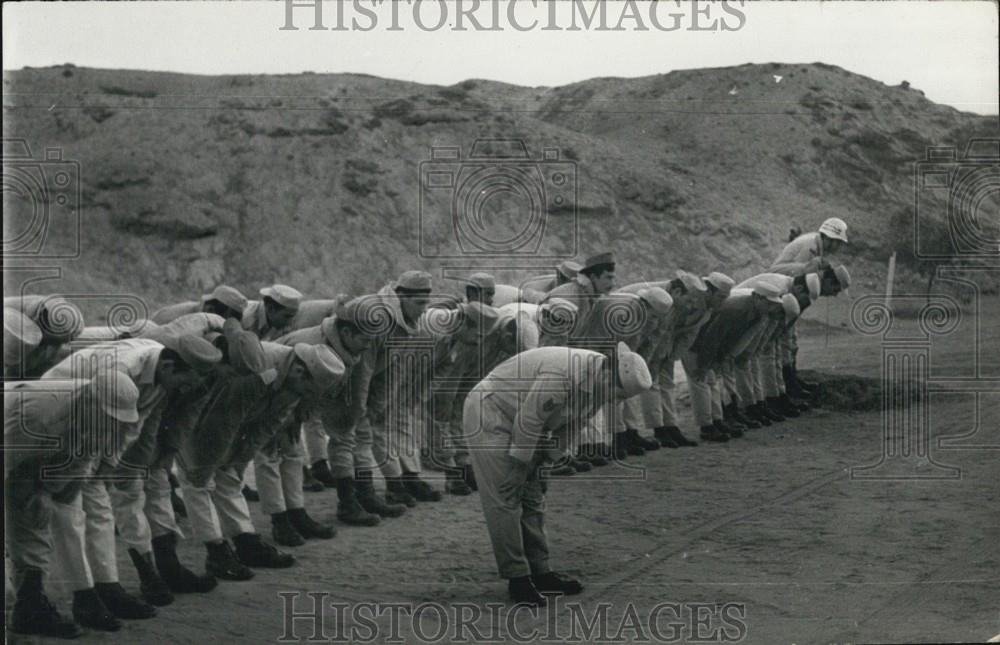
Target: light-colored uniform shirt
542, 394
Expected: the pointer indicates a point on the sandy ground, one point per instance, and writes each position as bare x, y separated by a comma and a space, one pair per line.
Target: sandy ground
772, 522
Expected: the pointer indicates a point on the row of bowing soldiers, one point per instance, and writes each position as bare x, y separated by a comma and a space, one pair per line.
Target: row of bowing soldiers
101, 421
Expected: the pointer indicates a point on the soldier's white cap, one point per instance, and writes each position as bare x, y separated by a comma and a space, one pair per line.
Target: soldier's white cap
769, 291
813, 284
791, 306
569, 269
117, 394
228, 296
482, 280
691, 281
835, 228
658, 299
20, 335
632, 372
414, 281
721, 281
286, 296
323, 364
199, 354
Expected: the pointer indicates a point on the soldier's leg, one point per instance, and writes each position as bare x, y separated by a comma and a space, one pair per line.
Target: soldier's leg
536, 545
218, 510
319, 447
714, 382
267, 472
502, 507
158, 508
701, 393
27, 518
667, 385
234, 513
291, 468
769, 379
68, 522
128, 499
744, 381
205, 525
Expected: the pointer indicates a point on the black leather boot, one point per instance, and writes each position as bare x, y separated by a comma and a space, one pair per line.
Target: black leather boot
179, 578
678, 437
254, 552
89, 611
321, 472
282, 531
420, 489
666, 441
711, 433
222, 562
455, 483
637, 439
349, 509
307, 527
123, 604
727, 429
370, 500
309, 483
523, 592
470, 476
396, 492
552, 582
34, 614
151, 585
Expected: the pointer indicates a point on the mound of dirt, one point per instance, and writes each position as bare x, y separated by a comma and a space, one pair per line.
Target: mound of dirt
845, 392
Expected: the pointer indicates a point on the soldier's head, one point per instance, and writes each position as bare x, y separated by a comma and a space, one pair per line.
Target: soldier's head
477, 321
298, 380
314, 369
281, 303
719, 286
806, 289
481, 287
833, 235
224, 301
349, 326
600, 270
185, 362
688, 291
414, 291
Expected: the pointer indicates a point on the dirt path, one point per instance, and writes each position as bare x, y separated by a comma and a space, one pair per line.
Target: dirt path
772, 522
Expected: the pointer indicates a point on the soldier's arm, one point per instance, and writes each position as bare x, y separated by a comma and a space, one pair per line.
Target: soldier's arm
545, 399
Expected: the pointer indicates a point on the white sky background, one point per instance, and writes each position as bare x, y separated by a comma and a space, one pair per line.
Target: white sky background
947, 49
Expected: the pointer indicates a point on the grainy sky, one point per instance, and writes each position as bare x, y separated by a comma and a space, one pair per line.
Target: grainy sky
947, 49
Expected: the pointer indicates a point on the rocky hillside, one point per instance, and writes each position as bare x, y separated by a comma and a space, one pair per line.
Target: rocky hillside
315, 180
